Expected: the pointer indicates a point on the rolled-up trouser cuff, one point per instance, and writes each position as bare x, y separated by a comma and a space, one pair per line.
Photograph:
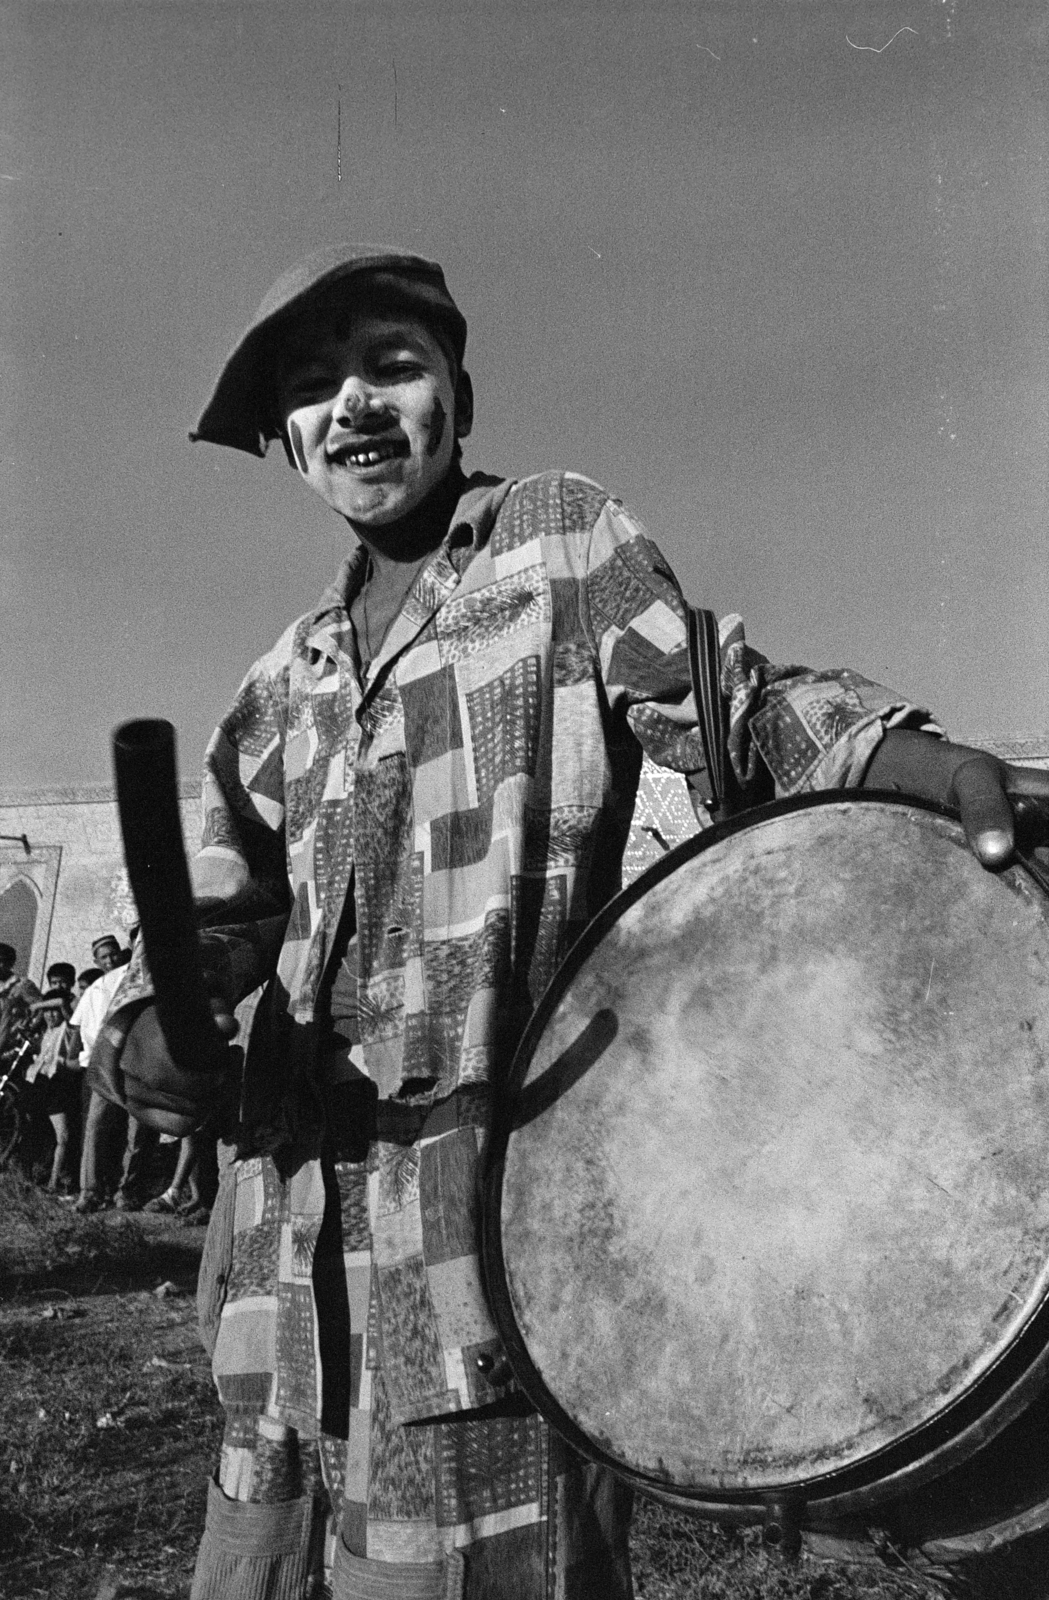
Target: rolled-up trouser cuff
256, 1552
354, 1578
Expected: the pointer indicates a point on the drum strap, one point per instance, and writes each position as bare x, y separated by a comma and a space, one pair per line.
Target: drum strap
704, 665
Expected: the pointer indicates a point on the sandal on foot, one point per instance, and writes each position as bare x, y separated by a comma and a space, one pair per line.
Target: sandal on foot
166, 1203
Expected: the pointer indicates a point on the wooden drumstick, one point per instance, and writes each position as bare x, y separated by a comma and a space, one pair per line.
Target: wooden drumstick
151, 825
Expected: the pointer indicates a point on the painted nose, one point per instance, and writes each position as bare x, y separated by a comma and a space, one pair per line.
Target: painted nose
355, 402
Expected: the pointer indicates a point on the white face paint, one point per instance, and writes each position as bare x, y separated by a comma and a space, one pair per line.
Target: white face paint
368, 409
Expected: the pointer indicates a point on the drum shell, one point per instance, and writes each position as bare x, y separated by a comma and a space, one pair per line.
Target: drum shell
884, 1483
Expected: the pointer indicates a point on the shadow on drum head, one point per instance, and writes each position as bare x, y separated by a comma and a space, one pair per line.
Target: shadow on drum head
571, 1065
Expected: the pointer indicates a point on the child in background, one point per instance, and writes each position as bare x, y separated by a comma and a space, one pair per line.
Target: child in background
55, 1081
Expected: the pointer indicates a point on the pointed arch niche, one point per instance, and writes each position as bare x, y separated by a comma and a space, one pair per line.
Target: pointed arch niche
27, 901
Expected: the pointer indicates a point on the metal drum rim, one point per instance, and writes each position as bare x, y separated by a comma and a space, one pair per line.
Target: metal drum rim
923, 1453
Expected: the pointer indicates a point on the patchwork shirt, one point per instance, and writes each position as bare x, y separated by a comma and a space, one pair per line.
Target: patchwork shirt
472, 792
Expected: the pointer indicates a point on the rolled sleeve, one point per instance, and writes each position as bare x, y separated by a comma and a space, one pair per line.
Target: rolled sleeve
811, 729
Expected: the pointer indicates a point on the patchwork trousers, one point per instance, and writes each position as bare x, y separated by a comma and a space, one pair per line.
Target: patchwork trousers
571, 1545
486, 1505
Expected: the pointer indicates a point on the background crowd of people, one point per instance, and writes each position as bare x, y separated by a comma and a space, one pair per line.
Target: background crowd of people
79, 1146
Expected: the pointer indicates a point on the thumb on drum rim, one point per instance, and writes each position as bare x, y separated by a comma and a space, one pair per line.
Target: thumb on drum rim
978, 790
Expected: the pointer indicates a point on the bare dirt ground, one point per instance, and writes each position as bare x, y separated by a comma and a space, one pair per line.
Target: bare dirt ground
109, 1429
107, 1412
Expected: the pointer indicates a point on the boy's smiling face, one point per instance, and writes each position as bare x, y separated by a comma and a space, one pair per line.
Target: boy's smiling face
371, 409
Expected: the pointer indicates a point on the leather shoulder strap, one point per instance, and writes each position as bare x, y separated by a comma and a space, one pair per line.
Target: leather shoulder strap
704, 663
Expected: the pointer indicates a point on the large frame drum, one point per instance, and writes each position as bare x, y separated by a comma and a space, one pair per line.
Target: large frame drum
767, 1207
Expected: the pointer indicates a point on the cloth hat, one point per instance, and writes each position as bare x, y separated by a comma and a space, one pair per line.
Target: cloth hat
53, 997
240, 411
104, 938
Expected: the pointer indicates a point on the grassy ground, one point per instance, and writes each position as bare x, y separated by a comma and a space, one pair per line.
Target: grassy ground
107, 1413
109, 1428
679, 1558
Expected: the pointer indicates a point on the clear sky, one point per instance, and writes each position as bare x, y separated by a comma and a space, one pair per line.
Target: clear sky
774, 273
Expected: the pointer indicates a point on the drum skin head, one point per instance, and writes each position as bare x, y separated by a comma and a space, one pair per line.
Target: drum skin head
775, 1195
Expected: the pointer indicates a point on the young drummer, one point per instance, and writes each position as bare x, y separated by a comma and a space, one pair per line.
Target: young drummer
419, 798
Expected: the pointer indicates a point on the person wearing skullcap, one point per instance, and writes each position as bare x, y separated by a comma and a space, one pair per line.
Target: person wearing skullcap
104, 1121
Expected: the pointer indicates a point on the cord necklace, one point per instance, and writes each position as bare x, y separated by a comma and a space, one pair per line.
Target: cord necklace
404, 589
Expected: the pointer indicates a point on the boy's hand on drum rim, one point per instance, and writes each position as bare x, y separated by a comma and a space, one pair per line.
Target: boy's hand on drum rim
993, 798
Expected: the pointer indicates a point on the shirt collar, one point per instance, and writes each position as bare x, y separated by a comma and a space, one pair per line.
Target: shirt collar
469, 530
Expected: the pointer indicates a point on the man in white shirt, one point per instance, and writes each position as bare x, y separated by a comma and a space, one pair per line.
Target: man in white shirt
101, 1115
